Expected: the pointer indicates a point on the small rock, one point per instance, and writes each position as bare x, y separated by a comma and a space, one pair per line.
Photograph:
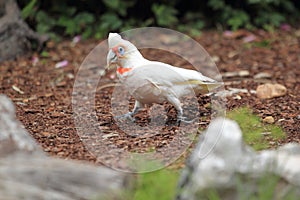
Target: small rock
297, 33
230, 74
268, 91
237, 97
45, 133
244, 73
269, 120
262, 75
232, 54
215, 58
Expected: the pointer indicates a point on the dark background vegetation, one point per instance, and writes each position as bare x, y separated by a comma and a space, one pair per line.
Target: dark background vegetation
94, 18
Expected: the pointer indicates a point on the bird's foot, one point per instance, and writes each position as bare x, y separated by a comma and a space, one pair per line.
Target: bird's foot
126, 116
183, 119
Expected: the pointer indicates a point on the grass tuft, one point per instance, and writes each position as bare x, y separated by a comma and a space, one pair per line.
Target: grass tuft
160, 185
255, 133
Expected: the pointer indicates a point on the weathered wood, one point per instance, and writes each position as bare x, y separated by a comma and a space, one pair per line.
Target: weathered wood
27, 173
15, 35
13, 137
48, 178
223, 165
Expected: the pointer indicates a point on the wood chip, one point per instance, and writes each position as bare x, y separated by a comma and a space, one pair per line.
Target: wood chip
15, 88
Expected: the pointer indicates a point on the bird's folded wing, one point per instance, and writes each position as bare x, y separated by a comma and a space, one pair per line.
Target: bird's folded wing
203, 86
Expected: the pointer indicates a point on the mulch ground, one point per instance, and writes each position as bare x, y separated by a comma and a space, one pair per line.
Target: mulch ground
44, 98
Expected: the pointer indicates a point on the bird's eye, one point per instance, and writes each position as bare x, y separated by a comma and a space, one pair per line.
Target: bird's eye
121, 51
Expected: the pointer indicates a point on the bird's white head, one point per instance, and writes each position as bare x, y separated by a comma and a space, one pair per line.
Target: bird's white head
120, 50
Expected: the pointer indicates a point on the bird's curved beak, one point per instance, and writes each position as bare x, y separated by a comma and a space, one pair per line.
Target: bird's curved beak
111, 59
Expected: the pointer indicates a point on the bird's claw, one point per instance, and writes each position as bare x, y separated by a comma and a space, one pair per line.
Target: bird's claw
126, 116
183, 119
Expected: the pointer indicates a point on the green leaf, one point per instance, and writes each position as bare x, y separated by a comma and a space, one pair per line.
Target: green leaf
69, 11
84, 18
42, 28
165, 15
195, 32
72, 29
238, 19
110, 21
216, 4
44, 22
118, 6
269, 18
63, 9
64, 21
28, 9
45, 54
87, 33
113, 4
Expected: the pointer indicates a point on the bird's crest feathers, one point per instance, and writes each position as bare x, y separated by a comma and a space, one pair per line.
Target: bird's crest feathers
114, 39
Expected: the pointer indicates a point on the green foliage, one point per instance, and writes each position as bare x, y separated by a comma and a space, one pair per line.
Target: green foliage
110, 21
97, 18
26, 12
63, 17
193, 23
165, 15
251, 13
269, 18
156, 185
238, 19
79, 23
255, 133
118, 6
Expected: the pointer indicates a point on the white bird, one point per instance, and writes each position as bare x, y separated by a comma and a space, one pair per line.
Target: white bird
151, 81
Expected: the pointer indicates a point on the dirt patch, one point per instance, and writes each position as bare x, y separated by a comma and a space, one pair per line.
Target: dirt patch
44, 97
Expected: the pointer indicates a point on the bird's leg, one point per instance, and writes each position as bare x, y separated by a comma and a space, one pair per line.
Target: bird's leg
137, 106
176, 103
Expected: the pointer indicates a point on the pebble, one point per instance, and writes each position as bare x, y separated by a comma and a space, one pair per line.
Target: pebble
237, 97
269, 120
215, 59
268, 91
242, 73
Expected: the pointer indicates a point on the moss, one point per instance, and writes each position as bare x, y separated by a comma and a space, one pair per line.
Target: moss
255, 133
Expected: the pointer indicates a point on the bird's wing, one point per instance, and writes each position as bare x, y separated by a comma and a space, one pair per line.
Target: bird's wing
162, 77
186, 76
159, 73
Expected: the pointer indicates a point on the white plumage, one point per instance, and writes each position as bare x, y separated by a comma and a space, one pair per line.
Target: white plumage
151, 81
